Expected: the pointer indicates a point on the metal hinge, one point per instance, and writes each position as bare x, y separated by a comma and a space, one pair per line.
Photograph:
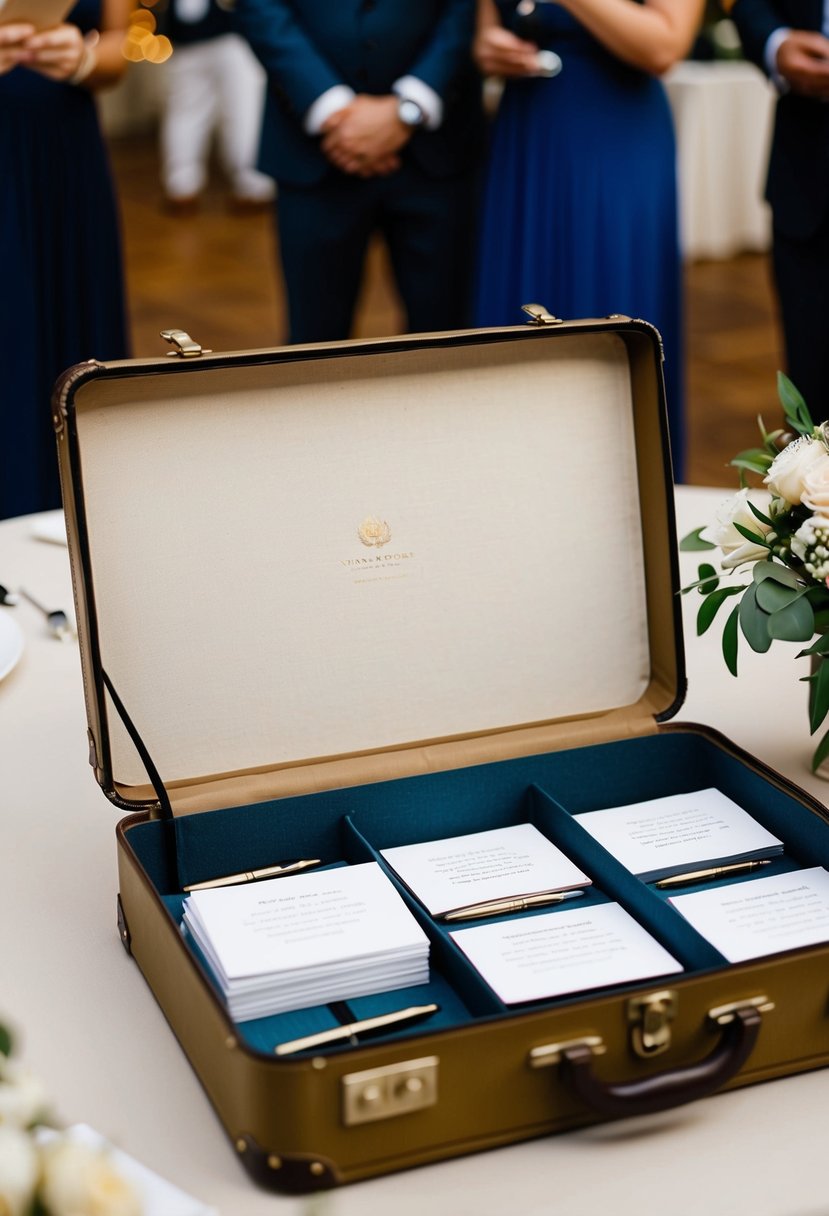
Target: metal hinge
539, 316
185, 346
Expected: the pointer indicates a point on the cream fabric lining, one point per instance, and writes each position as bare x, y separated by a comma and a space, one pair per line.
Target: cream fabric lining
244, 622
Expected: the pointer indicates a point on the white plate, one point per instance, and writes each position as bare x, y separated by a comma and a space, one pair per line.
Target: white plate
11, 642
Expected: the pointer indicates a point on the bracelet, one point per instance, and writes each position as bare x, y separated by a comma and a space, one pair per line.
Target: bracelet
88, 59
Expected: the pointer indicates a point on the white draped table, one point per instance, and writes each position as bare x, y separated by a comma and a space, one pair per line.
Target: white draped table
723, 113
90, 1026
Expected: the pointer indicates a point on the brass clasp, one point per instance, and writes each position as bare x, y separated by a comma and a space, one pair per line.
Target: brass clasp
186, 348
539, 316
722, 1015
551, 1053
649, 1018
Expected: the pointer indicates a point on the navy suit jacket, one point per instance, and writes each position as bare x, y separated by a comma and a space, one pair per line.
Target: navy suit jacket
308, 46
798, 178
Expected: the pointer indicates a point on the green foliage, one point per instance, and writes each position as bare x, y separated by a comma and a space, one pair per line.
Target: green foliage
693, 541
730, 639
6, 1043
711, 605
795, 408
754, 460
709, 580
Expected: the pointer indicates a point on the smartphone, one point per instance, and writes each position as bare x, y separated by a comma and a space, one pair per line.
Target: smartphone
40, 13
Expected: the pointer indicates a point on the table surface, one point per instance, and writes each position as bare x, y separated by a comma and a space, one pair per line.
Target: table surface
90, 1028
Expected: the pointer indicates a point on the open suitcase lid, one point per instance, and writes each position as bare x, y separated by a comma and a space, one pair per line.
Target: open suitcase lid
312, 567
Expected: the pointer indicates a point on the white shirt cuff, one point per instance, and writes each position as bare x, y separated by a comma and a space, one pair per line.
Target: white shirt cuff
425, 96
772, 46
333, 99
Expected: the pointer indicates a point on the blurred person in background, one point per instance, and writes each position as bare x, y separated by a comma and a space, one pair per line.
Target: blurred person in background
580, 198
62, 298
373, 122
213, 83
789, 40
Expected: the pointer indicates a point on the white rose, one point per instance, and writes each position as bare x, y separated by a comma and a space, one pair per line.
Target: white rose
22, 1096
18, 1171
79, 1180
816, 489
786, 477
735, 547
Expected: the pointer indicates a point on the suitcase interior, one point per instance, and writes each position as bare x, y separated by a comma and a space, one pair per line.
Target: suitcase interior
263, 682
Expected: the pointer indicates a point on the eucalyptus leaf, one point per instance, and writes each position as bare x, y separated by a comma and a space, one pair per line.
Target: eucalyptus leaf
796, 410
730, 639
819, 695
754, 623
694, 542
708, 579
5, 1041
767, 569
772, 596
711, 605
795, 622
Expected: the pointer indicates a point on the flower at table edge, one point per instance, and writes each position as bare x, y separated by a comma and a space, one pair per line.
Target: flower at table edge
23, 1099
790, 468
18, 1171
736, 548
79, 1180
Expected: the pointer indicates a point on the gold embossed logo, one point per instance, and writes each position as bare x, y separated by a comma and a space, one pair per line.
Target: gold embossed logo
374, 532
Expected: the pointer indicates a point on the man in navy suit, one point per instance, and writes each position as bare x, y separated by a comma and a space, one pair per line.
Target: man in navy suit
789, 39
372, 122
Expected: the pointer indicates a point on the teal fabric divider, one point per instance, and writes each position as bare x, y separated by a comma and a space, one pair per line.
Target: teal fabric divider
349, 825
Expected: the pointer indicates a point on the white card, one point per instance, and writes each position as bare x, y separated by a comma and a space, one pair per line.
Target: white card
470, 869
681, 832
560, 952
304, 921
762, 915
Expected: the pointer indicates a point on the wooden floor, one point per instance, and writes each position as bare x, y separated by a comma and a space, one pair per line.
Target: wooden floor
216, 275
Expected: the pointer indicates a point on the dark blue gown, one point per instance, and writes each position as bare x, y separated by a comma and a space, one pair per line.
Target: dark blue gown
61, 291
580, 199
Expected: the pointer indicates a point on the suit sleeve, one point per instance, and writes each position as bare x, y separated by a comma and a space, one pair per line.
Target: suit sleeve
286, 51
756, 21
448, 51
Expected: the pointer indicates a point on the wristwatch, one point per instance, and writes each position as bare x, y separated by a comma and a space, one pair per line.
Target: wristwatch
410, 113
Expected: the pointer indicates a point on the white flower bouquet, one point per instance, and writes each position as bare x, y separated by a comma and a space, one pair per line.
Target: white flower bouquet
54, 1175
777, 545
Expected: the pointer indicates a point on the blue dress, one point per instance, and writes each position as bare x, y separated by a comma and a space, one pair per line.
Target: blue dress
61, 291
580, 199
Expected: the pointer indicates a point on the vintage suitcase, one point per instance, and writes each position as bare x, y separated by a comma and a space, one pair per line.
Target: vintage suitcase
333, 599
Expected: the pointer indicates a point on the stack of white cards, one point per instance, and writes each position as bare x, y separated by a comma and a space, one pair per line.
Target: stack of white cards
291, 943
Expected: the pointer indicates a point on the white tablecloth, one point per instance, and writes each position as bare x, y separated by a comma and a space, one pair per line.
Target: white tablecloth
92, 1030
723, 113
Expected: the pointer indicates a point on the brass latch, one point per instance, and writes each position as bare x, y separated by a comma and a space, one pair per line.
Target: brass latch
383, 1093
649, 1018
722, 1015
186, 348
539, 316
551, 1053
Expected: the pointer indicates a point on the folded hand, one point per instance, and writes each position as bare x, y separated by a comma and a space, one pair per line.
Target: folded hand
56, 52
803, 60
364, 138
499, 52
12, 39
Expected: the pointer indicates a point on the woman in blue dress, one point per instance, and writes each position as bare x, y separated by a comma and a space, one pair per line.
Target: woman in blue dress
580, 200
61, 298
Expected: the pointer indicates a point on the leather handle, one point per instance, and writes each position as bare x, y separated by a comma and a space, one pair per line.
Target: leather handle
666, 1089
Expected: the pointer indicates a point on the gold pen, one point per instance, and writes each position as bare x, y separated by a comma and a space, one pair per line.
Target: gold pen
518, 903
736, 867
232, 880
356, 1030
